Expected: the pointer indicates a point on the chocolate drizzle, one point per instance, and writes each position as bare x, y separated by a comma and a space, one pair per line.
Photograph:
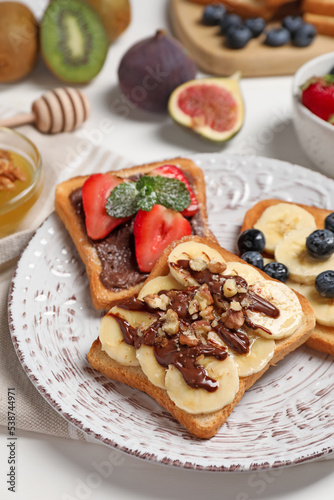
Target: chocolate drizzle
184, 359
129, 332
237, 341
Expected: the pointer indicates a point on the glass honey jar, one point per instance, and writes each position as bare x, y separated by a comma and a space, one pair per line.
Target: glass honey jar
20, 178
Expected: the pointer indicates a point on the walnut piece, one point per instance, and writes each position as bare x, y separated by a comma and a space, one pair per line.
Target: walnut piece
171, 323
197, 264
193, 307
9, 173
157, 302
189, 340
203, 297
233, 319
235, 306
216, 267
207, 314
230, 288
201, 327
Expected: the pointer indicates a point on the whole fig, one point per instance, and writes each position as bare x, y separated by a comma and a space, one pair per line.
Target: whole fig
152, 68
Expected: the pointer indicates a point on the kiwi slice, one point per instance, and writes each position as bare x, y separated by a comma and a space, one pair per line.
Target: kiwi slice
73, 40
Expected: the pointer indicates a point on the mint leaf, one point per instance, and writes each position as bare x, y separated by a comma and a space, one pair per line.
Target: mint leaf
129, 197
146, 182
122, 201
172, 193
146, 199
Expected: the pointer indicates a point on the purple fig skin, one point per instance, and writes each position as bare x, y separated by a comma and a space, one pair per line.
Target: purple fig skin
151, 69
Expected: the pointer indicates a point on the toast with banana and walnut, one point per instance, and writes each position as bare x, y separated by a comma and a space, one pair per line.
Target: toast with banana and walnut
204, 327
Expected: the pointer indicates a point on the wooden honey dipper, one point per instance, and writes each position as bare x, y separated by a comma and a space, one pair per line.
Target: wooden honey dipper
59, 110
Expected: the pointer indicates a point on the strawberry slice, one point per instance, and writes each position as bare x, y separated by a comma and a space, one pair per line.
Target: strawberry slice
174, 172
95, 192
154, 231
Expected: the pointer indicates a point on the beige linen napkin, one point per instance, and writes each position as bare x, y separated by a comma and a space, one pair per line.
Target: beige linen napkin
63, 156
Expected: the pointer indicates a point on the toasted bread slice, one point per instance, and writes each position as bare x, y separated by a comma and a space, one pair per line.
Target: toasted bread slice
320, 7
322, 337
323, 23
104, 297
203, 425
278, 3
246, 8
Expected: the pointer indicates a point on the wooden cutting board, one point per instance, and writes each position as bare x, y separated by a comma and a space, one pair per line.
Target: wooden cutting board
205, 45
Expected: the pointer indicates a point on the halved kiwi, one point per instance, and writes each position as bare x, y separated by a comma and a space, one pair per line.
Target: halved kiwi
73, 40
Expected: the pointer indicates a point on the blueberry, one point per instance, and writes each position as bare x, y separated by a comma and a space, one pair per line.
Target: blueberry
256, 25
254, 258
329, 222
292, 23
251, 239
277, 270
331, 71
213, 14
320, 244
324, 284
228, 21
277, 37
237, 36
304, 35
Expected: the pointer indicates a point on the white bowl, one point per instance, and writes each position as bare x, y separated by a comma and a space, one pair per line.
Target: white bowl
315, 135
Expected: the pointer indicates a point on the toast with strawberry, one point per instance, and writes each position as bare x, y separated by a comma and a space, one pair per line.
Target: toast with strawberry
121, 221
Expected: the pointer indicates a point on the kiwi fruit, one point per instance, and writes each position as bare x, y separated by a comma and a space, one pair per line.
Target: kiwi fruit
18, 41
73, 40
115, 15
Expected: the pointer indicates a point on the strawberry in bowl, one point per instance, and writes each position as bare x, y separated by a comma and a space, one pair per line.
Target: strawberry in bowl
313, 108
318, 96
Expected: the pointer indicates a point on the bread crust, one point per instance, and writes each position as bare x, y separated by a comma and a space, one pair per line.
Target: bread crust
201, 425
247, 8
322, 337
321, 7
102, 297
323, 23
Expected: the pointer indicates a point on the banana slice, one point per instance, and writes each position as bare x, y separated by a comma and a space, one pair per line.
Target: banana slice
323, 307
292, 252
261, 351
280, 219
200, 400
288, 304
250, 274
188, 251
111, 336
158, 284
152, 369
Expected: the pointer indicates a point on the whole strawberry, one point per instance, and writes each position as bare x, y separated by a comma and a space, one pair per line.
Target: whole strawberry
318, 97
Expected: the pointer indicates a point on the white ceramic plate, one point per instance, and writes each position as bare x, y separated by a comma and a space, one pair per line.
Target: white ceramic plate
287, 417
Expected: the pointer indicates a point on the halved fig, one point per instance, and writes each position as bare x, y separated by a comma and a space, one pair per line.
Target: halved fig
211, 107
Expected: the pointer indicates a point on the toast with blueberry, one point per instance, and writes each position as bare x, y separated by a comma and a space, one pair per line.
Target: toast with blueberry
299, 246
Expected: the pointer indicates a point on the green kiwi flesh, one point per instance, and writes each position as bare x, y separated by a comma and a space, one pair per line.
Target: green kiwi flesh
73, 40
